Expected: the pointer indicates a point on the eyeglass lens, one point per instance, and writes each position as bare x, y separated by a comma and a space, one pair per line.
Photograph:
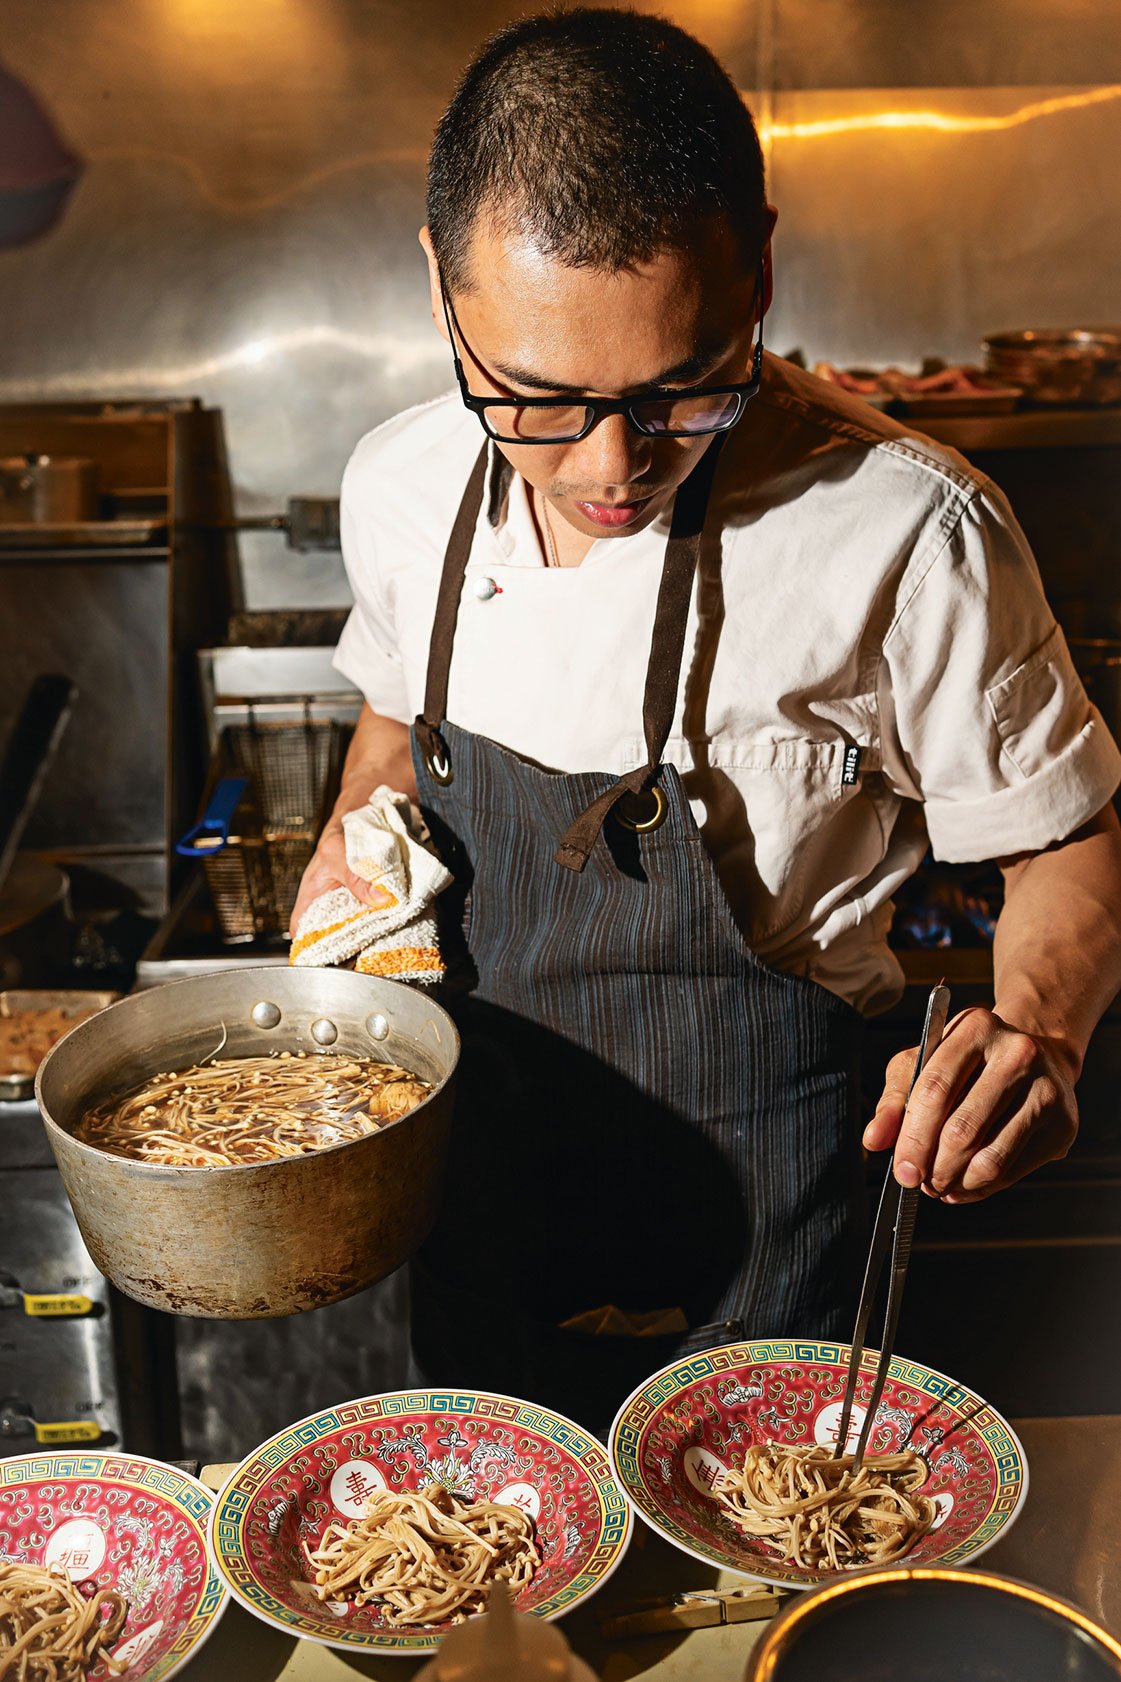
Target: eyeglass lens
707, 412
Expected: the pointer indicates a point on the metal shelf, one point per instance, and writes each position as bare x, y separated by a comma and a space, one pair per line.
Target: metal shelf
1029, 429
83, 557
85, 534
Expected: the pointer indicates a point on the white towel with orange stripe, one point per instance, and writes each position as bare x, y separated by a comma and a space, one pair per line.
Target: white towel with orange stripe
385, 845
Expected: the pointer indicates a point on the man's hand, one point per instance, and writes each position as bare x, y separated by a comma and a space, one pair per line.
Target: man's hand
997, 1098
328, 869
992, 1104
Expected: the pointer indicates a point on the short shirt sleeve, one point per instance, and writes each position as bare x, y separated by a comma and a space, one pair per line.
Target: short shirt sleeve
367, 651
983, 716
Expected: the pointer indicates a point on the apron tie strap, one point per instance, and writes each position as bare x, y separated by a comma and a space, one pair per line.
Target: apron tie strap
580, 837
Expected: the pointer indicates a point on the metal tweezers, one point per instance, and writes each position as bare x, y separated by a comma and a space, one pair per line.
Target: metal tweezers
895, 1224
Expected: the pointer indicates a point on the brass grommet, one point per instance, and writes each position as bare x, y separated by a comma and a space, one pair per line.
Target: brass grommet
439, 769
656, 818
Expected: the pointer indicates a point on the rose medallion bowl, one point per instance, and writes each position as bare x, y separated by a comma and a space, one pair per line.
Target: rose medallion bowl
323, 1470
120, 1522
680, 1431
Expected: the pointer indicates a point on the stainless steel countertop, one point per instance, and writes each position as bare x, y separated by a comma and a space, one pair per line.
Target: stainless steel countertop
1067, 1540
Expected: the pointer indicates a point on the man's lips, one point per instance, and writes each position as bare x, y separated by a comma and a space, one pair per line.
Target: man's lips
612, 513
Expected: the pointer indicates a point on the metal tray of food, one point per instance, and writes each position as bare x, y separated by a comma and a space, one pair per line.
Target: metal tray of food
82, 534
31, 1021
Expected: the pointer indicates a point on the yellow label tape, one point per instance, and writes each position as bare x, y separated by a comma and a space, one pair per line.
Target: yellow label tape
47, 1304
68, 1431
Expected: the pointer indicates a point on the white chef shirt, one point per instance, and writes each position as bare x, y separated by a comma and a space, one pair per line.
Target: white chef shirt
859, 585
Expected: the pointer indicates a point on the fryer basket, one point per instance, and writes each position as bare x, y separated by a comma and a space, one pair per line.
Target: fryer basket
291, 774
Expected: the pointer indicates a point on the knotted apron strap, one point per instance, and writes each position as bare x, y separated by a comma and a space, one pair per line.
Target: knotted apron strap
456, 556
663, 671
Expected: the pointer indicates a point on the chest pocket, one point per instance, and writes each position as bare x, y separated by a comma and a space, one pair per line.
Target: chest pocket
776, 816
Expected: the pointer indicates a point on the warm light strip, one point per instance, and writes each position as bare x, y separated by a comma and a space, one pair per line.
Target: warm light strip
937, 122
934, 122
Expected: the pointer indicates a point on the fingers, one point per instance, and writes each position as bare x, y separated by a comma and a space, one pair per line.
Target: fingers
988, 1108
937, 1092
1018, 1150
328, 869
1042, 1129
883, 1129
371, 894
991, 1105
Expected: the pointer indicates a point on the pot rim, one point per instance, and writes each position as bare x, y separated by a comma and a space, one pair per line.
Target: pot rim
134, 1164
776, 1639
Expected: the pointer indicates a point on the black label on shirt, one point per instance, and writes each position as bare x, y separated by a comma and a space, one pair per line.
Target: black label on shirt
851, 772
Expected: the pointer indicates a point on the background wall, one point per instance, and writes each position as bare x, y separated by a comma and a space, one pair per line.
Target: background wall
246, 226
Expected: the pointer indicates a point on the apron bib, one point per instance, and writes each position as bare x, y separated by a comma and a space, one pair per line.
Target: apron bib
649, 1117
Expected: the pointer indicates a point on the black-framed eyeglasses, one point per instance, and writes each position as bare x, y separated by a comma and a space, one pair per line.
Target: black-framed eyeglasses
689, 413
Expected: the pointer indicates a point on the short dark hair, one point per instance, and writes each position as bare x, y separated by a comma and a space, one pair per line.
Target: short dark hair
606, 134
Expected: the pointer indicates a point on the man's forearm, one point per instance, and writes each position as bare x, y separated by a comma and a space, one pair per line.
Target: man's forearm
379, 753
1057, 954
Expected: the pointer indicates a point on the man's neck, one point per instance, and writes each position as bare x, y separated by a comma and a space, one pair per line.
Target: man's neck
561, 544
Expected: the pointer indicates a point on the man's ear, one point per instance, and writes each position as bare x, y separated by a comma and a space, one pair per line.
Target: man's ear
433, 284
768, 268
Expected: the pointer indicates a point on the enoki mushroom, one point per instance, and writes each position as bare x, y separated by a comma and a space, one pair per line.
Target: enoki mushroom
252, 1109
427, 1558
823, 1516
49, 1631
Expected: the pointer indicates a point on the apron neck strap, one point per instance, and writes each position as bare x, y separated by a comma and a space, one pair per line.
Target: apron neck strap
671, 616
456, 556
663, 671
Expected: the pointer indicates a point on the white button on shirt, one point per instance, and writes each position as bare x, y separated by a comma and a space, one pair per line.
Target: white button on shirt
859, 586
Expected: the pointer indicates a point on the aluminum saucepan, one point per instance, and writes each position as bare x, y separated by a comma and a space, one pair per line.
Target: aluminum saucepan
258, 1240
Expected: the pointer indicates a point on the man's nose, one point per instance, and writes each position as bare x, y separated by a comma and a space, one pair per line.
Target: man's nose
613, 454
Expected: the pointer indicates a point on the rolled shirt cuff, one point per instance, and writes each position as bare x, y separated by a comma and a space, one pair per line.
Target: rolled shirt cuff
1030, 815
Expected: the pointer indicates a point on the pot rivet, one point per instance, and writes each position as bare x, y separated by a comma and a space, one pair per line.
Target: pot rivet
324, 1032
377, 1027
265, 1014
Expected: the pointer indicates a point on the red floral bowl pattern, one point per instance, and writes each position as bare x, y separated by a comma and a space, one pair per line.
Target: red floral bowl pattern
126, 1523
674, 1437
283, 1497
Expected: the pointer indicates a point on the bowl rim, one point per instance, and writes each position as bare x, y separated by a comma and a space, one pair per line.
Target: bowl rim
213, 1618
1049, 339
806, 1606
176, 1170
867, 1364
404, 1644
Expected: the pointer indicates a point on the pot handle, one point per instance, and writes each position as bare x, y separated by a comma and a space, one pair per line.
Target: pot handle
212, 831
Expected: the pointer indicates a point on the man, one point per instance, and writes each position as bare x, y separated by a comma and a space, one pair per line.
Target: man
700, 653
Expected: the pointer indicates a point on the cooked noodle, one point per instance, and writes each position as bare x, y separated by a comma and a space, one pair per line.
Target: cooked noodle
252, 1109
822, 1516
49, 1631
428, 1559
